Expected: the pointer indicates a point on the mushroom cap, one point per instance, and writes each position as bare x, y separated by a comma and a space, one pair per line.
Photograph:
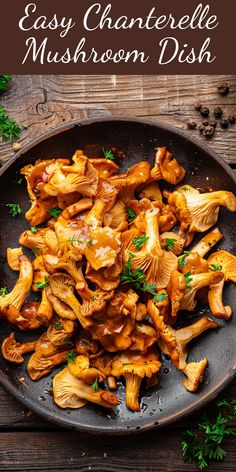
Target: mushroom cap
226, 263
170, 169
194, 372
13, 257
11, 351
141, 364
105, 167
104, 248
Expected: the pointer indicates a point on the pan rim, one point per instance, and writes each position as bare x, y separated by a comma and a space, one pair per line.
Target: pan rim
229, 375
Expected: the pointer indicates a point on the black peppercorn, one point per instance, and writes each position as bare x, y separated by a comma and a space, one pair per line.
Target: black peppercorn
208, 131
218, 112
205, 123
191, 124
223, 89
232, 119
213, 123
205, 111
224, 123
198, 106
201, 128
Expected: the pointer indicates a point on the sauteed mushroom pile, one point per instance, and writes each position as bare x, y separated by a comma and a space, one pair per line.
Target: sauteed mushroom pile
114, 265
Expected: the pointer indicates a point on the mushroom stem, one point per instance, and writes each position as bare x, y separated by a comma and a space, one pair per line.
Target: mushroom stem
133, 383
207, 242
111, 382
215, 299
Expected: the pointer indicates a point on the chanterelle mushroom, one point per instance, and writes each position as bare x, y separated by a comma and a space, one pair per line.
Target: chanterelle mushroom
127, 183
13, 351
175, 342
194, 283
167, 168
70, 392
80, 368
156, 263
194, 372
134, 367
19, 293
226, 263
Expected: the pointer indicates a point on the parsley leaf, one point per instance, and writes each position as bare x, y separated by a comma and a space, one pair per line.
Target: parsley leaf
70, 356
36, 250
3, 291
4, 81
14, 209
170, 242
215, 267
9, 129
58, 325
139, 242
131, 215
160, 296
188, 280
181, 261
55, 212
186, 189
205, 444
34, 229
95, 385
137, 279
108, 154
42, 285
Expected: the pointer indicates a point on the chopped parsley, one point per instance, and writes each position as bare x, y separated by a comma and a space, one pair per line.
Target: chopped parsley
42, 285
139, 242
95, 385
36, 250
4, 81
14, 209
137, 279
188, 279
57, 325
170, 243
161, 296
131, 215
70, 356
186, 189
215, 267
84, 342
54, 212
3, 291
108, 154
33, 229
182, 262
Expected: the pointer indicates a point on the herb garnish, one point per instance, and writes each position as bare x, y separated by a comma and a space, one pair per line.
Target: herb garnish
137, 279
95, 385
188, 280
139, 242
215, 267
14, 209
70, 356
9, 129
108, 154
57, 325
33, 229
3, 291
131, 215
55, 212
42, 285
182, 262
4, 81
205, 445
170, 243
186, 189
36, 250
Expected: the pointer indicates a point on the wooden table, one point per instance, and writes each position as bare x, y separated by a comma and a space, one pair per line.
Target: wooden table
27, 442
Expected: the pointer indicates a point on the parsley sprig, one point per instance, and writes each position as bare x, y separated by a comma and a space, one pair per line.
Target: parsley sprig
3, 291
170, 243
182, 262
9, 129
139, 242
215, 267
70, 356
95, 385
188, 280
57, 325
14, 209
205, 444
4, 81
136, 277
131, 215
33, 229
55, 212
42, 285
108, 154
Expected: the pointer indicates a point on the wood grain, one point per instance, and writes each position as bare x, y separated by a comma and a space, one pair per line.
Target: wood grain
27, 442
43, 102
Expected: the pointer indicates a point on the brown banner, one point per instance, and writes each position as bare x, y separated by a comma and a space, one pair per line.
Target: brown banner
118, 37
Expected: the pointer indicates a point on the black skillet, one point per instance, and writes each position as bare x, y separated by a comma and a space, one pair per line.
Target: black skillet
135, 139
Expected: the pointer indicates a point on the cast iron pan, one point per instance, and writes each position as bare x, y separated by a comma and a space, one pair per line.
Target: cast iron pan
137, 138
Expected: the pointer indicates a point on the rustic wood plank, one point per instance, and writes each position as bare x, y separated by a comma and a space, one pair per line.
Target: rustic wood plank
42, 102
13, 415
149, 452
